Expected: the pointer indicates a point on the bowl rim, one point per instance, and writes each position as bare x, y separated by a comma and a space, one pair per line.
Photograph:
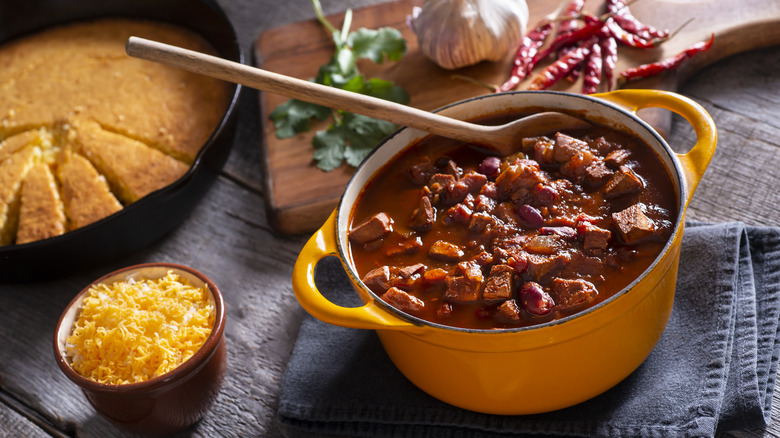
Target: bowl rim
169, 380
676, 175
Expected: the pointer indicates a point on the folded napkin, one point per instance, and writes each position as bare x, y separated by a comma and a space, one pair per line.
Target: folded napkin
713, 369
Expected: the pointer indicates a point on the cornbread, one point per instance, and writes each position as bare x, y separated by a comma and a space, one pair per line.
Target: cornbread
132, 169
41, 212
85, 192
133, 124
12, 171
131, 331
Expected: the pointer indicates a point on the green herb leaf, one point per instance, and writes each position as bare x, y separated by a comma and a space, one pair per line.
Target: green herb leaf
294, 115
349, 137
329, 147
377, 45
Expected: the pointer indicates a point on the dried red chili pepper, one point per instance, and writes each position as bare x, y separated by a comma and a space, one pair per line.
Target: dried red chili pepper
630, 39
558, 69
626, 20
591, 74
675, 61
529, 46
568, 23
593, 26
609, 56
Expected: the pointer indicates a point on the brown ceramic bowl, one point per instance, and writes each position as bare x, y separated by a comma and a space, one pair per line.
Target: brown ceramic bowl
167, 403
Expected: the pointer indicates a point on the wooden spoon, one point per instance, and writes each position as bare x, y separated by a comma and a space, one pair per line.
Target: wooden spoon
501, 139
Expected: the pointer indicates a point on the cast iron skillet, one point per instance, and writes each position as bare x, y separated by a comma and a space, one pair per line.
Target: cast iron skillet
151, 217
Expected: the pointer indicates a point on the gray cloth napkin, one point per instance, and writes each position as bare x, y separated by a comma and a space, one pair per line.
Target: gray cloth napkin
713, 369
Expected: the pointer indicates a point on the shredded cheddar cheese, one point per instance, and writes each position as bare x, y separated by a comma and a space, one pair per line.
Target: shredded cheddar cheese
132, 331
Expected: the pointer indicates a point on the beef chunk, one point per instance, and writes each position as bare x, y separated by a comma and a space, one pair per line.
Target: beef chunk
623, 182
567, 147
424, 216
439, 182
378, 280
406, 277
403, 301
540, 266
443, 250
544, 244
528, 143
375, 227
633, 225
597, 173
595, 240
450, 167
489, 190
455, 192
601, 146
574, 294
617, 158
508, 312
481, 222
465, 283
500, 284
523, 174
543, 151
474, 181
459, 213
484, 258
583, 266
576, 168
506, 212
407, 245
484, 204
434, 276
422, 172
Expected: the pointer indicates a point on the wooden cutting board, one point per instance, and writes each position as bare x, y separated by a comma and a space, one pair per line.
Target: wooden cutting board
299, 196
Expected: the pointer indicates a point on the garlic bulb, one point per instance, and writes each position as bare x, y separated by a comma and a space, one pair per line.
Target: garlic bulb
459, 33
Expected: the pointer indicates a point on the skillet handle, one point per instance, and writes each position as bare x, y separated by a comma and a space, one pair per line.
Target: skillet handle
368, 316
694, 163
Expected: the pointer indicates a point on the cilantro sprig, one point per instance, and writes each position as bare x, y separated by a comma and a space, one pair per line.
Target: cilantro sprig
350, 137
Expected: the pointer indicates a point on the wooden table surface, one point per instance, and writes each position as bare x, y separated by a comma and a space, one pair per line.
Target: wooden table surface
228, 238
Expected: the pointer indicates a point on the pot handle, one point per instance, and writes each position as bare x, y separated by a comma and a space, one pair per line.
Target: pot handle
695, 161
368, 316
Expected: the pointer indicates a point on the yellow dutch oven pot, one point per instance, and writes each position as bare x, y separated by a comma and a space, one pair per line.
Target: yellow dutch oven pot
533, 369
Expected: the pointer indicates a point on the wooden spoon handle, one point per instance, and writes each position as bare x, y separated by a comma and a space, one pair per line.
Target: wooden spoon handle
331, 97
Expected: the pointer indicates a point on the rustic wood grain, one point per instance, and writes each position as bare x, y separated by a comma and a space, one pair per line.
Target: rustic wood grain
300, 196
229, 236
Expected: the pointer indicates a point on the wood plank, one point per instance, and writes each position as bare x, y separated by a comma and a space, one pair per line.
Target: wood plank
300, 196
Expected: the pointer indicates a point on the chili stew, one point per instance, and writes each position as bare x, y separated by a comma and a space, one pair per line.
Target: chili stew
456, 237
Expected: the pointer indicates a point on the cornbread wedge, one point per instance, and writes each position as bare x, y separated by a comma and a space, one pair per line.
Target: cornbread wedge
85, 192
14, 143
133, 169
12, 171
41, 214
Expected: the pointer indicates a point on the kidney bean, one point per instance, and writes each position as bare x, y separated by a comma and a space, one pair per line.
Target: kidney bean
535, 300
490, 167
544, 194
530, 215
